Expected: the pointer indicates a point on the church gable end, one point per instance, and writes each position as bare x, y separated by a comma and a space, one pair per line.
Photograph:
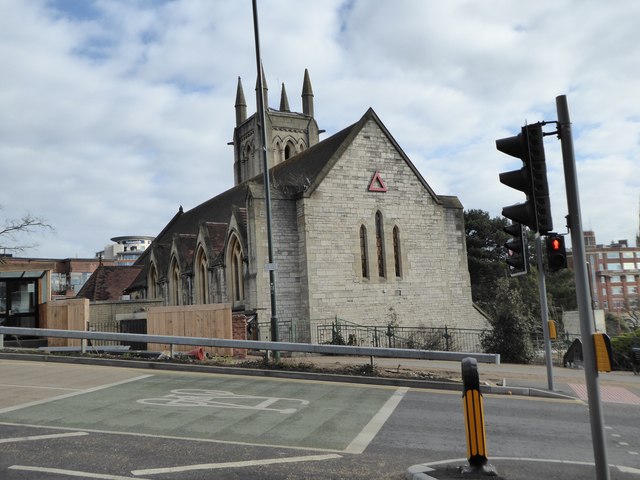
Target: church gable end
381, 251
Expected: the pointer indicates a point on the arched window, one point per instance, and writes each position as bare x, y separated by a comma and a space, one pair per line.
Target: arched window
380, 244
396, 251
202, 277
289, 150
235, 275
364, 251
152, 281
175, 287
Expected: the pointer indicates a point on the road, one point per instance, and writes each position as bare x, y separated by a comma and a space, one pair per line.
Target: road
62, 421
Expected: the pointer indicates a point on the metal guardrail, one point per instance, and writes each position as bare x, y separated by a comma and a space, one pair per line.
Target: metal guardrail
255, 345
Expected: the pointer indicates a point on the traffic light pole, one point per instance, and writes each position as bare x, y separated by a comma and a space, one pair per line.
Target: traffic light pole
544, 313
587, 324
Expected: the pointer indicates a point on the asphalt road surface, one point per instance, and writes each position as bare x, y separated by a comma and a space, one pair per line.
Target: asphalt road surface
61, 421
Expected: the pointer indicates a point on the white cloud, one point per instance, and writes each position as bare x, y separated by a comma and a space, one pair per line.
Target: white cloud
116, 114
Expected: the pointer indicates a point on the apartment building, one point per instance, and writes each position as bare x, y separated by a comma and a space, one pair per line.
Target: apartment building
614, 272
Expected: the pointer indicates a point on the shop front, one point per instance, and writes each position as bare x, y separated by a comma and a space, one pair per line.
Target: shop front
21, 294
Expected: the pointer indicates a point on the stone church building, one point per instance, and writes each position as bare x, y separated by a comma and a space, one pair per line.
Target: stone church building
357, 231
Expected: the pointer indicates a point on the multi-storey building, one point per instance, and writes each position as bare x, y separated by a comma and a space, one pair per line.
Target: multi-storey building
126, 249
614, 271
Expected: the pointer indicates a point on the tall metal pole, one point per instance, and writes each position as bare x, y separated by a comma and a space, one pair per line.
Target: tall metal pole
267, 186
587, 324
544, 313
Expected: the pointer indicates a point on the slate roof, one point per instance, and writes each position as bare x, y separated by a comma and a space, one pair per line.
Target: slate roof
108, 282
216, 234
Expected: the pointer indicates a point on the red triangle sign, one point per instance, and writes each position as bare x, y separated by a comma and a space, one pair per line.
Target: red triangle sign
377, 183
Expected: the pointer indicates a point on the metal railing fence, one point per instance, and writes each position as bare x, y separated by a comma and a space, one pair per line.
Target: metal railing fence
341, 332
254, 345
121, 326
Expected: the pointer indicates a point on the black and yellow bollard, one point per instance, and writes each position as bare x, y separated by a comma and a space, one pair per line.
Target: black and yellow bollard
604, 352
473, 407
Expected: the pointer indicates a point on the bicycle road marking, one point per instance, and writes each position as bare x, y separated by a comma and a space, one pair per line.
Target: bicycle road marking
72, 394
329, 419
193, 397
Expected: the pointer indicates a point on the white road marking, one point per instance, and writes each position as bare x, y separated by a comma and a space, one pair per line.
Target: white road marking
371, 429
69, 473
621, 468
248, 463
222, 399
72, 394
39, 387
174, 437
42, 437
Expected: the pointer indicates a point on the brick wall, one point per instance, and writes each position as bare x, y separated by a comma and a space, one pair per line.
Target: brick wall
239, 332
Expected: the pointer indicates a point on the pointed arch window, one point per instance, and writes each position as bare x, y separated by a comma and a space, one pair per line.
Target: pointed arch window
289, 150
175, 288
235, 265
397, 257
364, 252
202, 277
152, 281
380, 244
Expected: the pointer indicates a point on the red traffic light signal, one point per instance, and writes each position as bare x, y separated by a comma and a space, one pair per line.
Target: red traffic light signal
556, 252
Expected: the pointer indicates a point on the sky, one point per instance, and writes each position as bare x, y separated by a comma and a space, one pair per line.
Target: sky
114, 113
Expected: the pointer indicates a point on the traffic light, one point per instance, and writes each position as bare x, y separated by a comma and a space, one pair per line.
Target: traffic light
556, 252
517, 250
531, 179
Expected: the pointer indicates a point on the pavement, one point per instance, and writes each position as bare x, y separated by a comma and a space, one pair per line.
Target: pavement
505, 378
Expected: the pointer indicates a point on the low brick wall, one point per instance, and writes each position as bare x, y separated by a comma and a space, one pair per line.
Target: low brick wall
239, 332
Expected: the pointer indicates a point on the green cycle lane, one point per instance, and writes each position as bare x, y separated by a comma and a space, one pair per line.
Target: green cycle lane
270, 412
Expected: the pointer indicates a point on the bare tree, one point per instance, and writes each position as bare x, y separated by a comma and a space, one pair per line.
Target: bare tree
13, 228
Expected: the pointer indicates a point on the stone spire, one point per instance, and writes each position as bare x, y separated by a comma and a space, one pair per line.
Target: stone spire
307, 95
284, 101
241, 105
265, 90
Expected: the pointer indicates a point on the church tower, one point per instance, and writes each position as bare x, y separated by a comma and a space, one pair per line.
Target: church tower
288, 133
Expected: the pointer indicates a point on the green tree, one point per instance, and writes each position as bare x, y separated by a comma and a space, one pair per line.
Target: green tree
485, 254
512, 325
488, 272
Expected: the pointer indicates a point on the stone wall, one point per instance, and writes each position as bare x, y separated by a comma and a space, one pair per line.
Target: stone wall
433, 288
